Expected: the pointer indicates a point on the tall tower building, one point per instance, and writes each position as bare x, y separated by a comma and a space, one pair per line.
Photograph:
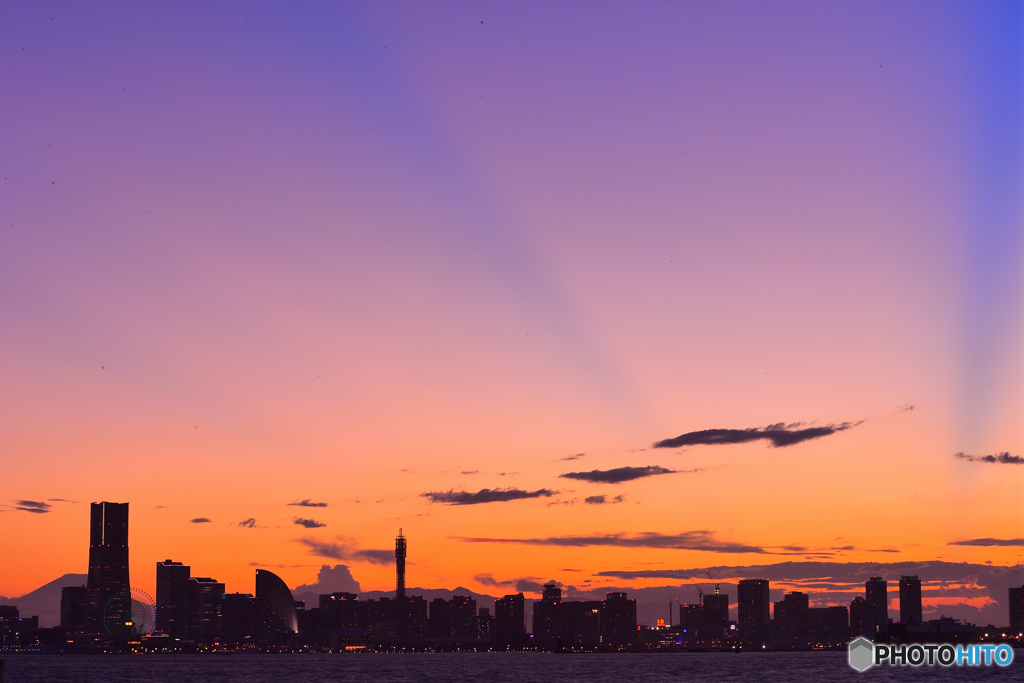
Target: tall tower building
876, 593
1017, 609
618, 620
509, 621
910, 600
172, 598
400, 550
547, 624
754, 612
108, 587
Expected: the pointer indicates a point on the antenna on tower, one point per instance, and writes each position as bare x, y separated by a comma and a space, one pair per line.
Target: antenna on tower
400, 552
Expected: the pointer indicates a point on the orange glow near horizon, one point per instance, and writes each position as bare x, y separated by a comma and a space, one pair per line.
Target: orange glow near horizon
284, 264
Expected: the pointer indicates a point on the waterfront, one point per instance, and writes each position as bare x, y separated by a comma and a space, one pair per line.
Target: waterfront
492, 667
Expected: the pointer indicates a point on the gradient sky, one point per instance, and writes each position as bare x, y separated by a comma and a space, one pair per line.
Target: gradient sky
253, 254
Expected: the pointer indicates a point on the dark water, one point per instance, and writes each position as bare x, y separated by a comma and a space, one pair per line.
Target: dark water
491, 667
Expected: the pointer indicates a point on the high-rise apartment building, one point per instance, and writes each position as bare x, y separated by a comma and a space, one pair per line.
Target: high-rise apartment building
715, 609
1017, 609
509, 621
910, 600
877, 596
618, 620
172, 598
753, 612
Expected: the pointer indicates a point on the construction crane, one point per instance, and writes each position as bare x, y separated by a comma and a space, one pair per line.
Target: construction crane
708, 572
700, 593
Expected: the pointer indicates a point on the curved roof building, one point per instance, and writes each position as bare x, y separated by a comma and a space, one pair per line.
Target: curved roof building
276, 622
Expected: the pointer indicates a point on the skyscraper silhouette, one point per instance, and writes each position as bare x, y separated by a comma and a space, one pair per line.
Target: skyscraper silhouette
910, 600
876, 593
399, 566
108, 587
754, 612
400, 550
172, 598
276, 621
1016, 596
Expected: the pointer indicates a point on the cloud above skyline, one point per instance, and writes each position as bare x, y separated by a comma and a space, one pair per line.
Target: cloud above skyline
603, 500
690, 540
618, 475
307, 503
575, 456
1003, 458
201, 520
778, 435
488, 580
34, 506
248, 523
527, 586
990, 542
345, 549
452, 497
308, 523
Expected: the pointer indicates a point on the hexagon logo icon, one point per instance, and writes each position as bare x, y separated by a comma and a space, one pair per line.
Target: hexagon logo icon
861, 654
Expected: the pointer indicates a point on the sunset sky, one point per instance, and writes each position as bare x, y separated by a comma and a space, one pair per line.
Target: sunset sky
260, 256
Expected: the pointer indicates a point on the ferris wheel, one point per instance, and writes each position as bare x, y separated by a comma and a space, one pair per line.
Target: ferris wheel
141, 609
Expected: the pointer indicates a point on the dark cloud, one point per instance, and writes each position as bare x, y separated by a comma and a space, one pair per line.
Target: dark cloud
573, 457
451, 497
617, 475
248, 523
343, 550
61, 500
34, 506
989, 542
488, 580
906, 407
335, 551
602, 500
308, 523
690, 540
780, 435
160, 507
374, 556
200, 520
526, 586
1001, 458
307, 503
469, 472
